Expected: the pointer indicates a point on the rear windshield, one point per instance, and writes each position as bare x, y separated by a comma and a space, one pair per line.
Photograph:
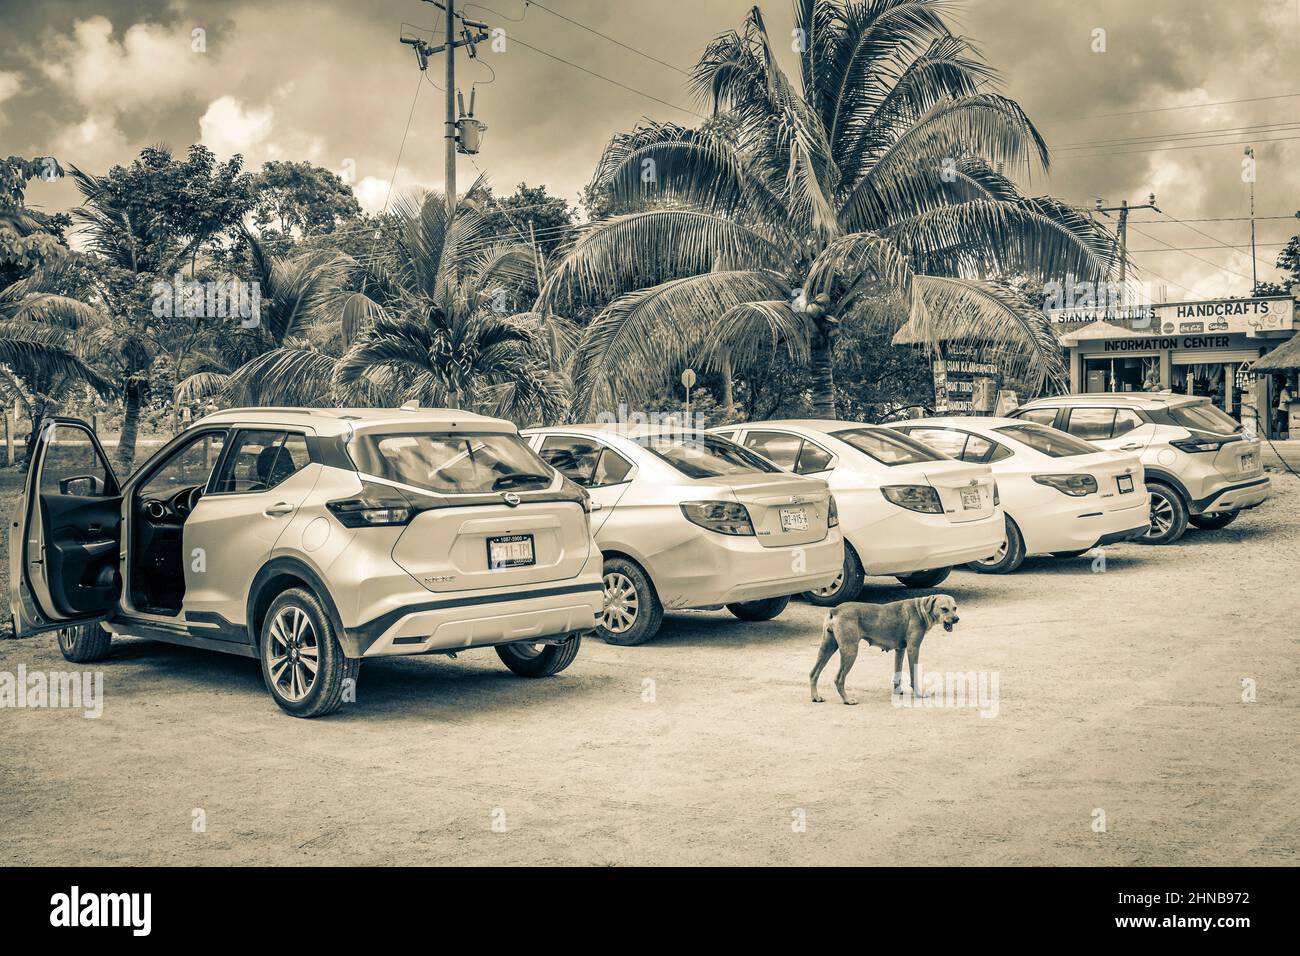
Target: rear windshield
888, 447
705, 456
452, 464
1205, 417
1050, 441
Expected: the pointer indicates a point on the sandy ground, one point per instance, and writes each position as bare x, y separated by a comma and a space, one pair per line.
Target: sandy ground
1120, 692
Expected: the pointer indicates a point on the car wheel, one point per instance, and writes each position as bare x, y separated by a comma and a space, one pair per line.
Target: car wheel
83, 643
1168, 515
763, 610
539, 660
632, 612
846, 587
1213, 520
303, 664
1071, 554
1009, 556
924, 579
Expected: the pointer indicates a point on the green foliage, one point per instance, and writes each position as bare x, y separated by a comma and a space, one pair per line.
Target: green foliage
301, 197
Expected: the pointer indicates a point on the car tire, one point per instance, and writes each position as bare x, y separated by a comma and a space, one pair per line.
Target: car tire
539, 660
1071, 554
83, 643
1213, 520
1168, 515
846, 587
924, 579
1008, 558
636, 616
298, 624
763, 610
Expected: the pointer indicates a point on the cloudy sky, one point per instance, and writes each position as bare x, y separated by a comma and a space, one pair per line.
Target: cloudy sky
328, 81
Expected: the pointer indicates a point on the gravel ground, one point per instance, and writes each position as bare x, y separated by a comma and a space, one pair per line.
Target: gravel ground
1120, 693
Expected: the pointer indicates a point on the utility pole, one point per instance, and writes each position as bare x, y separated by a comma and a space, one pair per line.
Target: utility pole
422, 53
1122, 232
1254, 265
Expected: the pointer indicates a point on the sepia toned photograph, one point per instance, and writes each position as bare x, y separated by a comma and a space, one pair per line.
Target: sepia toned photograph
829, 433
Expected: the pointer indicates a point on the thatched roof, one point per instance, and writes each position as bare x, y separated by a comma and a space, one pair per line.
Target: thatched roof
1282, 359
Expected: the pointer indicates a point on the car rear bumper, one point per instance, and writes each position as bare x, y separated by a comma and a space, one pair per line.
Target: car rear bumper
711, 569
1077, 527
462, 620
907, 542
1237, 497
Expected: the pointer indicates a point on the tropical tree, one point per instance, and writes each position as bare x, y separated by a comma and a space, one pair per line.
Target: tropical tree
871, 191
441, 315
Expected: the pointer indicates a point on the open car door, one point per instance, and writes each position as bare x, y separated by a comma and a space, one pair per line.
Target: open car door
65, 538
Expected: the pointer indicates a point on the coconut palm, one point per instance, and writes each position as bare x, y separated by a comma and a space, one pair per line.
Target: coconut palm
871, 191
431, 319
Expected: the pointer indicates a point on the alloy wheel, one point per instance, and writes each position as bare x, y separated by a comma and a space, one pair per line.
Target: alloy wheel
293, 654
1162, 516
831, 589
999, 555
622, 603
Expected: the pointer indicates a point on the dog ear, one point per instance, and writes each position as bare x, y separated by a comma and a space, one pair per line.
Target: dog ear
931, 605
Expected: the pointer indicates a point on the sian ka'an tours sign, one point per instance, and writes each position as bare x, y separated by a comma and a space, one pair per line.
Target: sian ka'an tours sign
958, 377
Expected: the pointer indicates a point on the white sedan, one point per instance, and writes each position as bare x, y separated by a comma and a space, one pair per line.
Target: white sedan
686, 519
1062, 495
905, 510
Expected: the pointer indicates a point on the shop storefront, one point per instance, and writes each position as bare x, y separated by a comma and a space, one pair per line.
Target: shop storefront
1207, 348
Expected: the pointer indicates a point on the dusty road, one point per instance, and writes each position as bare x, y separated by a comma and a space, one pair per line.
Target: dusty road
1120, 692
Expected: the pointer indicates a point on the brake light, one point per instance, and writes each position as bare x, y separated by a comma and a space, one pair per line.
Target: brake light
920, 498
724, 517
1076, 486
833, 514
376, 506
1200, 443
997, 500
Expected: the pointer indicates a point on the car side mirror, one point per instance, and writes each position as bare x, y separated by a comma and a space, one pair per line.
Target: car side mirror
92, 486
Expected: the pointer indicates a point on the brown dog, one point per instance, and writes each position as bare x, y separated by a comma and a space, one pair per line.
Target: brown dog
895, 627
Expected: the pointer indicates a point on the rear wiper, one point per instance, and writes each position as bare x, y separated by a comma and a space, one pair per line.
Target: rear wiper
519, 478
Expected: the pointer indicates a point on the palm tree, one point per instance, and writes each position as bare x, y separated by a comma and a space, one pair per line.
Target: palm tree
871, 192
430, 319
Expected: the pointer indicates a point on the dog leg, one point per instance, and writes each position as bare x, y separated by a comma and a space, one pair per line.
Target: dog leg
913, 658
847, 656
824, 654
898, 669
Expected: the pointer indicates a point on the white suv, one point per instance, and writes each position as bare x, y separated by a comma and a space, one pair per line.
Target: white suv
1199, 465
309, 539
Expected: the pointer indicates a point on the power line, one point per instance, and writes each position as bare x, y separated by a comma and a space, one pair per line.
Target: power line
1189, 106
601, 76
1180, 135
605, 36
1223, 245
1162, 149
1173, 248
400, 149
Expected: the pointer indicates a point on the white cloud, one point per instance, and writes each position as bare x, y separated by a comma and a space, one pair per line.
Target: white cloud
10, 83
92, 144
228, 127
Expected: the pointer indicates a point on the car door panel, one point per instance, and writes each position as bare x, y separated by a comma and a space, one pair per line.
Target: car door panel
65, 547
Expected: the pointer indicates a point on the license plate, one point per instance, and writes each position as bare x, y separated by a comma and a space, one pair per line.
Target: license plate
970, 499
511, 551
1125, 483
1248, 462
794, 519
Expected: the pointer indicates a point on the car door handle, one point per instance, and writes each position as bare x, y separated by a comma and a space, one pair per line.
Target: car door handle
1131, 446
280, 508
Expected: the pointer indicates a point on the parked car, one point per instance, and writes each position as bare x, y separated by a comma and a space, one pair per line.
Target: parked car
309, 539
690, 520
1061, 495
905, 510
1200, 467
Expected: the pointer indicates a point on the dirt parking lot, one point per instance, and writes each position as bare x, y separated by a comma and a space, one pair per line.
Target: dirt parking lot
1120, 693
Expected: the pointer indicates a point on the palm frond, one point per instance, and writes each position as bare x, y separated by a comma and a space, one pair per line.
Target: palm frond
283, 377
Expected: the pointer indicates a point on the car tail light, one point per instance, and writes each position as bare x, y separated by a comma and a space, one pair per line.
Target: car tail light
1074, 485
1200, 443
832, 514
376, 506
724, 517
920, 498
997, 499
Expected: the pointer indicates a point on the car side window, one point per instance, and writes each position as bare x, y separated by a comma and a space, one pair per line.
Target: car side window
73, 465
611, 469
981, 451
1125, 421
260, 459
777, 447
1044, 416
584, 461
1091, 424
812, 458
188, 467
